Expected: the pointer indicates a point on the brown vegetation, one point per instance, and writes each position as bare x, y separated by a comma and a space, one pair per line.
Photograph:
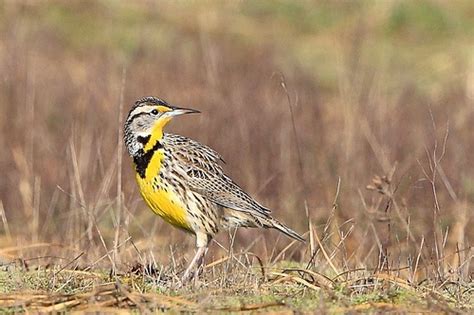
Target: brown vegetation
352, 122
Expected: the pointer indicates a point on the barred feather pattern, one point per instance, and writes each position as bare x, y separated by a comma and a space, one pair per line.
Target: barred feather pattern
221, 202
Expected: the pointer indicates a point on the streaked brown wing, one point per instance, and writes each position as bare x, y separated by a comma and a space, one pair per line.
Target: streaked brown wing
193, 154
206, 177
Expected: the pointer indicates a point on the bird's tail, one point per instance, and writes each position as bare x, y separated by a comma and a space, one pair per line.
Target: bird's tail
285, 230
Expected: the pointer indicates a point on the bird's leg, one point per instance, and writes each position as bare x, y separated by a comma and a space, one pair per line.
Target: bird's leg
197, 261
200, 265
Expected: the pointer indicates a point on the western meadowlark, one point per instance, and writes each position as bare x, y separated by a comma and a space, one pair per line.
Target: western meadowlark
182, 181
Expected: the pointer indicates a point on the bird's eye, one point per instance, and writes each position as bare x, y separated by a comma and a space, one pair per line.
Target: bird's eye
154, 112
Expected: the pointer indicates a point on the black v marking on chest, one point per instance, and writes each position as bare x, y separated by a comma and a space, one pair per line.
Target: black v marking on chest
142, 159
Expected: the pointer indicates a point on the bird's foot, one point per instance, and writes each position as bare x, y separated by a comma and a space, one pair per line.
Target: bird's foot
196, 262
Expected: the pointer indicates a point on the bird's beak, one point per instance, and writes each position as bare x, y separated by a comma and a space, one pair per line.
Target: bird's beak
176, 111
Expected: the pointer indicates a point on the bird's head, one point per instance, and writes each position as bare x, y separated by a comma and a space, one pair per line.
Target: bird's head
147, 118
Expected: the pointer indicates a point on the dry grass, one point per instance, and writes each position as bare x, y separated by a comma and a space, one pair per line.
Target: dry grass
248, 287
351, 120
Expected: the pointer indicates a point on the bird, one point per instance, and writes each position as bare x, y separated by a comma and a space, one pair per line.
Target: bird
183, 181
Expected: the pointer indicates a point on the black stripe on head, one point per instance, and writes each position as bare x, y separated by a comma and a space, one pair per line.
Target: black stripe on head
137, 115
146, 101
142, 159
150, 100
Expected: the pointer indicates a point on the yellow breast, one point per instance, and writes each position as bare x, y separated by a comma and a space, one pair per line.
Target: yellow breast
164, 203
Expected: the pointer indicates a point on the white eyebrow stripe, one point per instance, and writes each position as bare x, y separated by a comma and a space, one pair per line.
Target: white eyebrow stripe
140, 110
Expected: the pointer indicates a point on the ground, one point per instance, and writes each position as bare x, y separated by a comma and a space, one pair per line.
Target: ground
351, 120
284, 288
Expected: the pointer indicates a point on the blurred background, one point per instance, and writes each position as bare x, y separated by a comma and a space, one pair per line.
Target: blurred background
373, 88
